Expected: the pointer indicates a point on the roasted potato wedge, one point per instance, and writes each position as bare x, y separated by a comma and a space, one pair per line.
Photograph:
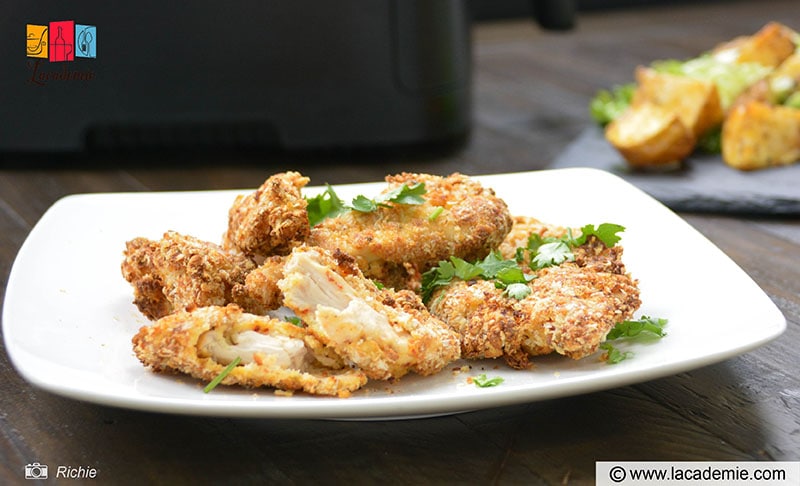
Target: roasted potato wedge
769, 47
742, 97
696, 102
649, 135
757, 135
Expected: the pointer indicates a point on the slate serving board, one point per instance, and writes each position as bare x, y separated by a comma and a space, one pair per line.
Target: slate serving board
704, 184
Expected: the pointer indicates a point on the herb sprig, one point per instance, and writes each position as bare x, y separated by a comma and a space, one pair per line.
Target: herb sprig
643, 329
221, 376
552, 251
482, 381
329, 205
507, 273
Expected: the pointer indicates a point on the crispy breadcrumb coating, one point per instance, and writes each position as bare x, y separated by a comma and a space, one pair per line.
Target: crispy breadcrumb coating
181, 272
272, 220
570, 310
522, 229
259, 293
273, 353
384, 333
396, 244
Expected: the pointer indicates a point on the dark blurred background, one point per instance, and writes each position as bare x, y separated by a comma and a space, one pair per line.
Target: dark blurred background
499, 9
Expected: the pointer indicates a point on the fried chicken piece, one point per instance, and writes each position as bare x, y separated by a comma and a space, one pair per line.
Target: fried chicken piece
273, 353
570, 310
259, 293
181, 272
384, 333
271, 220
396, 244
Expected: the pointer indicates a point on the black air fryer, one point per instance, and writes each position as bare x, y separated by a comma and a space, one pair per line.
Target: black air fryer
300, 74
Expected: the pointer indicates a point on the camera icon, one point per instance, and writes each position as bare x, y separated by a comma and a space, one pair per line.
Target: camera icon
36, 471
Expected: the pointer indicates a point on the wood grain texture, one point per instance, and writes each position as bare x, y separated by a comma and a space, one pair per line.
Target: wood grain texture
531, 90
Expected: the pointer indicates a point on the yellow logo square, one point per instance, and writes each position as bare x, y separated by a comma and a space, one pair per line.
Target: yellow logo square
37, 41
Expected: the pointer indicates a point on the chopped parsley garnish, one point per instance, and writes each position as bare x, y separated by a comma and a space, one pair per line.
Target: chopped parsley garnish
218, 379
613, 355
435, 213
517, 291
493, 267
552, 251
405, 194
325, 205
606, 232
508, 275
328, 204
646, 328
481, 381
551, 254
294, 320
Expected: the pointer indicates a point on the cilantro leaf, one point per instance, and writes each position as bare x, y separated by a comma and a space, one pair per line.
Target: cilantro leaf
517, 291
328, 204
553, 253
482, 381
405, 194
465, 270
364, 204
614, 355
437, 276
491, 267
606, 232
646, 327
324, 205
494, 264
638, 329
294, 320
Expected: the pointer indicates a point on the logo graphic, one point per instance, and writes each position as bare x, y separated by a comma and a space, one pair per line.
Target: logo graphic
37, 41
85, 38
61, 41
36, 471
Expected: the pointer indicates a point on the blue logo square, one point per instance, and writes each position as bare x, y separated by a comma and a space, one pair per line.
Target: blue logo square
85, 41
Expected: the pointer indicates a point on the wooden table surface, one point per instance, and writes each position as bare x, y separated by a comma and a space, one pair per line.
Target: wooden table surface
531, 90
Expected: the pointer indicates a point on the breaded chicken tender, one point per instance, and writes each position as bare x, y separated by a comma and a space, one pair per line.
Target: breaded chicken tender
570, 310
386, 334
181, 272
259, 293
396, 244
272, 220
273, 353
522, 229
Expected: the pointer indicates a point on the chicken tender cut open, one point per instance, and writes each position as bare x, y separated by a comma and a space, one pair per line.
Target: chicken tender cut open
273, 353
181, 272
270, 221
386, 334
570, 309
396, 243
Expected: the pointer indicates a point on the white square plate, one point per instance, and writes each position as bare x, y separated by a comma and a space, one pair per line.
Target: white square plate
68, 316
